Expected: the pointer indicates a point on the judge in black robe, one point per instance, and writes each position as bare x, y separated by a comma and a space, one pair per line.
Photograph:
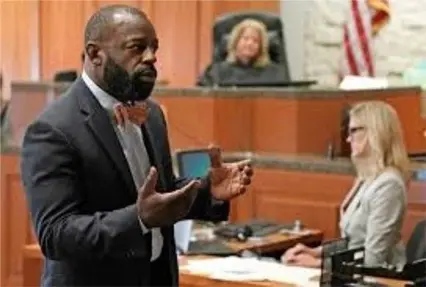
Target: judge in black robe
248, 60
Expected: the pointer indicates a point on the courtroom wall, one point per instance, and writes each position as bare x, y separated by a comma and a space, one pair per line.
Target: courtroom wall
398, 45
40, 37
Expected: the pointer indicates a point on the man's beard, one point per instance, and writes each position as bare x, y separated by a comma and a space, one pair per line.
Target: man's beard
123, 86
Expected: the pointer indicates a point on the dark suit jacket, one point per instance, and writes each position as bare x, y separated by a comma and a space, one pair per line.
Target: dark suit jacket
82, 197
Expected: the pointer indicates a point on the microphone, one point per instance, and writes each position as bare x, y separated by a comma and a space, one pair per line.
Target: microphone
330, 150
342, 135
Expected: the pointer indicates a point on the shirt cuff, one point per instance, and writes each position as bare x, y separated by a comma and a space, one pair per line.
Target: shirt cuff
145, 230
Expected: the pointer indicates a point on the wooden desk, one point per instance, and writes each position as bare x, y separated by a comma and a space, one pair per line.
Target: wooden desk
285, 188
257, 119
277, 242
32, 270
32, 257
193, 280
188, 279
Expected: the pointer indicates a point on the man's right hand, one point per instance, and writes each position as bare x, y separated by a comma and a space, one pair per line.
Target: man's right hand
160, 209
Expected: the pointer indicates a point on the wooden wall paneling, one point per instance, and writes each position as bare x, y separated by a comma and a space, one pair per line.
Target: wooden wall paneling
190, 120
144, 5
270, 133
232, 123
300, 184
206, 16
236, 5
313, 214
1, 42
318, 126
147, 6
244, 207
177, 30
32, 269
17, 18
15, 227
311, 197
135, 3
409, 109
62, 34
18, 41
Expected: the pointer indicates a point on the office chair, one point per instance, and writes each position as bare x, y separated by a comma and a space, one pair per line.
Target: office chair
4, 124
65, 76
224, 24
416, 245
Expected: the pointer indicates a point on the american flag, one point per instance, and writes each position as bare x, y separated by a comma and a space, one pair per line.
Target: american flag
366, 17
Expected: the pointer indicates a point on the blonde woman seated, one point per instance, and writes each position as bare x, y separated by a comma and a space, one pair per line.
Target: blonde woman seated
248, 58
372, 212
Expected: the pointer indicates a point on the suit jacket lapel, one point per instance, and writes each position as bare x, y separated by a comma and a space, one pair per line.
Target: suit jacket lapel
100, 125
355, 203
344, 214
349, 196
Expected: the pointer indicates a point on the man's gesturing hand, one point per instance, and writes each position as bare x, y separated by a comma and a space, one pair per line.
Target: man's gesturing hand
159, 209
228, 180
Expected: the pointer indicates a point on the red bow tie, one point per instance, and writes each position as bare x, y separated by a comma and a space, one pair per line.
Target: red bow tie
136, 113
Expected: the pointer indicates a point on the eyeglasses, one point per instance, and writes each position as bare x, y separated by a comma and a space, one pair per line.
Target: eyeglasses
353, 130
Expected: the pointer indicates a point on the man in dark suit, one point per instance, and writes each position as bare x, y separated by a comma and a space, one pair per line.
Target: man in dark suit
97, 169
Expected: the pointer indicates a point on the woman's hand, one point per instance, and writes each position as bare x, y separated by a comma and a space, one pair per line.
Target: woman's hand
306, 260
290, 255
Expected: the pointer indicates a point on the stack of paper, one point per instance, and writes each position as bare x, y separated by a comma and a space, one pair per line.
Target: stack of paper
362, 83
251, 269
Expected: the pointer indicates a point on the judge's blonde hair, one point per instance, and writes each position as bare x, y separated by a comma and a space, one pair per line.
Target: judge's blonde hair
262, 59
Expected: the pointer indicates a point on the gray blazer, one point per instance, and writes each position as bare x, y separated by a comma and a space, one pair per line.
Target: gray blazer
374, 217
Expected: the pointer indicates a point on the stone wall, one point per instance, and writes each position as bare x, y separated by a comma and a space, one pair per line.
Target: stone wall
398, 45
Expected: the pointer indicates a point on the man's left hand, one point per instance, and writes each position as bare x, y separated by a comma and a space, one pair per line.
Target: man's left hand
228, 180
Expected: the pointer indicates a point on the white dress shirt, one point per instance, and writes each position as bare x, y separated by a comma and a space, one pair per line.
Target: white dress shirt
131, 140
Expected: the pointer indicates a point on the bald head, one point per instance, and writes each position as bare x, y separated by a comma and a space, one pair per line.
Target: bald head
100, 23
